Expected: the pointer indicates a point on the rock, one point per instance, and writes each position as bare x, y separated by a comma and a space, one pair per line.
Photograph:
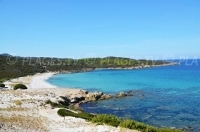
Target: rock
124, 94
83, 92
130, 93
93, 96
106, 96
121, 94
77, 99
52, 95
2, 125
61, 100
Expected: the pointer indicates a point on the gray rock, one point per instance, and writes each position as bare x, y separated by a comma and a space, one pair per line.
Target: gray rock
121, 94
77, 99
106, 96
93, 96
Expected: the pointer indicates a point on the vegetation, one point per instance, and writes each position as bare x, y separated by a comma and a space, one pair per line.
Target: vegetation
25, 121
56, 105
107, 119
2, 85
111, 120
14, 66
83, 115
20, 86
62, 113
127, 123
130, 124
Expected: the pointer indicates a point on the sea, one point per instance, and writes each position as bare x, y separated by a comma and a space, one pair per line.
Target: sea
166, 96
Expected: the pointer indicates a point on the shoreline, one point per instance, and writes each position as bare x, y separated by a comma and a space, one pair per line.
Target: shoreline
39, 91
18, 108
36, 81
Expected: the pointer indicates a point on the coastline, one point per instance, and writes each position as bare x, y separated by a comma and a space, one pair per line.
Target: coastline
32, 106
33, 82
140, 67
39, 91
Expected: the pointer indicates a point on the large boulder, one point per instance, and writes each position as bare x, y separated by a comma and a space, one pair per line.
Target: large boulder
80, 96
93, 96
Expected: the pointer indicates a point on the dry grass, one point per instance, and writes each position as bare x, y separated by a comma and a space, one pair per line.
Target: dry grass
19, 93
9, 109
25, 100
18, 102
25, 122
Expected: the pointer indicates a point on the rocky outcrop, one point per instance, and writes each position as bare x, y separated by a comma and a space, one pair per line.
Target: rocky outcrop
124, 94
106, 96
80, 96
93, 96
83, 96
77, 99
121, 94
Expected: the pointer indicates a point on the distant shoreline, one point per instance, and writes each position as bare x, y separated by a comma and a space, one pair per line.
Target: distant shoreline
39, 80
117, 68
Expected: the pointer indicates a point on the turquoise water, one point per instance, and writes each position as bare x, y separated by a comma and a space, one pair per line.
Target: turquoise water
167, 96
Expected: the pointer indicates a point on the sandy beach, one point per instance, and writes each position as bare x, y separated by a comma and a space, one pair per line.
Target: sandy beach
25, 110
36, 81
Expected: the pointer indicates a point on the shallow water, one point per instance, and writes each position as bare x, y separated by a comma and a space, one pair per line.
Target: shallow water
169, 96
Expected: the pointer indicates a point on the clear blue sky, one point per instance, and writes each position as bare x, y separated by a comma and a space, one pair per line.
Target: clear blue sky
98, 28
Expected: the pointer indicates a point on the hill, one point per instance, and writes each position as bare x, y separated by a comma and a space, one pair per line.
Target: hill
15, 66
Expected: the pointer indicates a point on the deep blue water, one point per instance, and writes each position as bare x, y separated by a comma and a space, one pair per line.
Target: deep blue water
167, 96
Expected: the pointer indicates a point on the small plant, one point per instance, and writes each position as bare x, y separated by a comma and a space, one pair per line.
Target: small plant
20, 86
2, 85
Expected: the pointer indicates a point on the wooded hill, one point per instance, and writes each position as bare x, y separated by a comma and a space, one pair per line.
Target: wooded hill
15, 66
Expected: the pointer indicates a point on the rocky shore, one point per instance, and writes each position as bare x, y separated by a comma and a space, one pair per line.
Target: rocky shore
26, 110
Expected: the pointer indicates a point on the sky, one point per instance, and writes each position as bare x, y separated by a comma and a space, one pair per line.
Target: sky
99, 28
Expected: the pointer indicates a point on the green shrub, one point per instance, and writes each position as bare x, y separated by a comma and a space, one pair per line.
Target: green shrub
127, 124
62, 112
82, 115
20, 86
106, 119
131, 124
2, 85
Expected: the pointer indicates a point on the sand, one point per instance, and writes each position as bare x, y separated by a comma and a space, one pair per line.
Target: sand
25, 110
